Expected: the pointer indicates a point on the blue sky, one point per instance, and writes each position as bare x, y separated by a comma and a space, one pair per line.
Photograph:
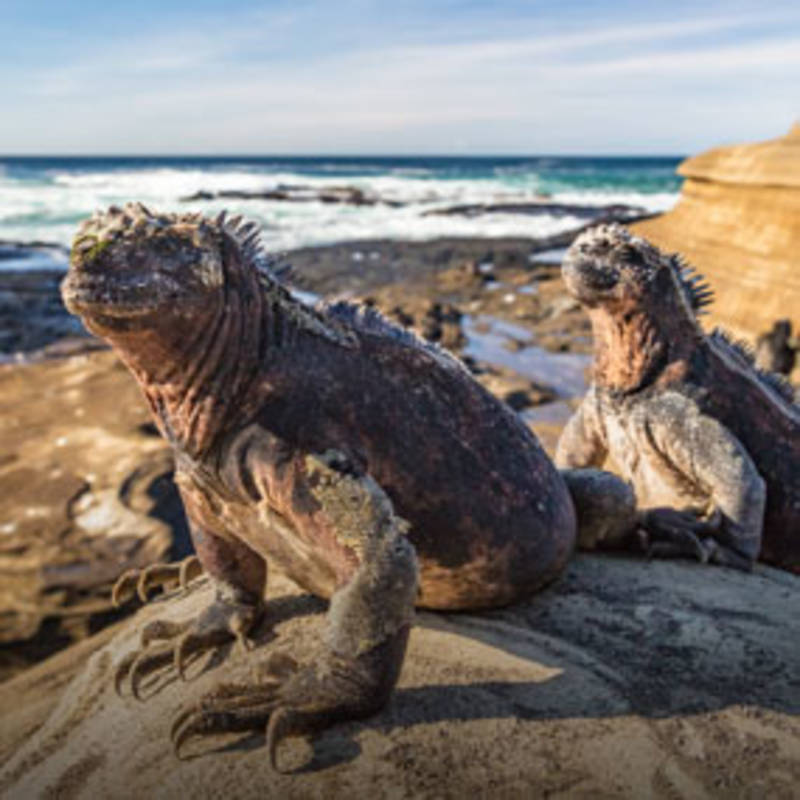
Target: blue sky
355, 76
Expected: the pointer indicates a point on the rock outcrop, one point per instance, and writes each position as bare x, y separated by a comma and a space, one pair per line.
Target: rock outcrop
738, 222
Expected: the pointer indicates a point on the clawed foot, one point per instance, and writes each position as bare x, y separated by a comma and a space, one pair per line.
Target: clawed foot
669, 533
164, 641
137, 582
290, 701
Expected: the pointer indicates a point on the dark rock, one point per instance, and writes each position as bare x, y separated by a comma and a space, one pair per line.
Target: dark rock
776, 350
615, 211
518, 400
32, 315
346, 195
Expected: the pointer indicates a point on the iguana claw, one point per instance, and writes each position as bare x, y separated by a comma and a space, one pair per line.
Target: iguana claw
226, 710
165, 641
308, 701
670, 533
168, 576
296, 700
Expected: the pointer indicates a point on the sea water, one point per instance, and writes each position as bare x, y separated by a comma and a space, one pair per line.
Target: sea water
44, 199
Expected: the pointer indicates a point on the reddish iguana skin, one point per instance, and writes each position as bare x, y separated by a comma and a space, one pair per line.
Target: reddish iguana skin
684, 415
314, 439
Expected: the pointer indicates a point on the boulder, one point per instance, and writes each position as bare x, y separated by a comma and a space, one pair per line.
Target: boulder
625, 679
738, 222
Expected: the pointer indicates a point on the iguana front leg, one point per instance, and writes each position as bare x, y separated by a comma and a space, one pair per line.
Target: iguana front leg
605, 507
239, 576
582, 442
367, 625
703, 454
605, 504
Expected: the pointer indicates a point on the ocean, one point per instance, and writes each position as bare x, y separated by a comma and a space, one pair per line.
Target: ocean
43, 199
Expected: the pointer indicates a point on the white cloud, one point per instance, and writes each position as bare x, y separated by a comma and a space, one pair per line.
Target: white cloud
619, 87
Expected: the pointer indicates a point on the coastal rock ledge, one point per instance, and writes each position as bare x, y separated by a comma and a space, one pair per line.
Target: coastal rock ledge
625, 679
738, 222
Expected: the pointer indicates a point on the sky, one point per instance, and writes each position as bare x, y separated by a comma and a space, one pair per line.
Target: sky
449, 77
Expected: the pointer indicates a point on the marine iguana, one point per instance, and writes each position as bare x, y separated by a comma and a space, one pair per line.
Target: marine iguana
365, 463
685, 416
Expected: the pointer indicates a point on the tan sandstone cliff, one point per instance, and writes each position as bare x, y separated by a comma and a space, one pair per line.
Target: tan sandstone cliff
738, 222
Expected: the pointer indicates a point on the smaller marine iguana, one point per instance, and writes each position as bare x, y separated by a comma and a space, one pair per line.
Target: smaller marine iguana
366, 464
683, 415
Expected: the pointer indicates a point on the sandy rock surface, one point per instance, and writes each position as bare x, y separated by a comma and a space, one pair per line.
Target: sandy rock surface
626, 679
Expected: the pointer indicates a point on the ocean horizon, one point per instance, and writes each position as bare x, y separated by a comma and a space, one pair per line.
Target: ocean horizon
43, 198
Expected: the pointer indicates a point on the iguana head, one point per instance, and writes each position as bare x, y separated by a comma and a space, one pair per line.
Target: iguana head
643, 305
608, 267
130, 267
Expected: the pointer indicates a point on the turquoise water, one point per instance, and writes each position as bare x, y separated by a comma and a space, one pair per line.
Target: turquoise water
44, 198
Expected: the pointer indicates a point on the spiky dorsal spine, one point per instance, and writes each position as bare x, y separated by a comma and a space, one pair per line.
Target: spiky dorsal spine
271, 273
247, 235
699, 293
368, 319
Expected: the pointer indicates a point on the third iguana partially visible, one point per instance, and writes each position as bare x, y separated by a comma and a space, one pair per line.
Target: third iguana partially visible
685, 416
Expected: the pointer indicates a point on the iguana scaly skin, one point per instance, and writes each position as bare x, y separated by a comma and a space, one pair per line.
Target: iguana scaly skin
366, 464
684, 416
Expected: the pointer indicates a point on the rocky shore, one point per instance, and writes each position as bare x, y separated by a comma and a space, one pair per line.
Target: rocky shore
356, 196
345, 195
627, 678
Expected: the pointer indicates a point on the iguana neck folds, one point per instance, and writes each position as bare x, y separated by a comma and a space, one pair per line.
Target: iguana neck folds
632, 350
223, 347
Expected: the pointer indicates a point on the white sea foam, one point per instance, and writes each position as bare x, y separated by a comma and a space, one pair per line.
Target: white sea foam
49, 207
649, 201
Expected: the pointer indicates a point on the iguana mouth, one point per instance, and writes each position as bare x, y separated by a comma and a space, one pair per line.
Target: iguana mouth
120, 296
582, 275
598, 277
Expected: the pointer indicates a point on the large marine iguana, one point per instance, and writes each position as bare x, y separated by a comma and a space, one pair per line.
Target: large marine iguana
685, 416
316, 439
